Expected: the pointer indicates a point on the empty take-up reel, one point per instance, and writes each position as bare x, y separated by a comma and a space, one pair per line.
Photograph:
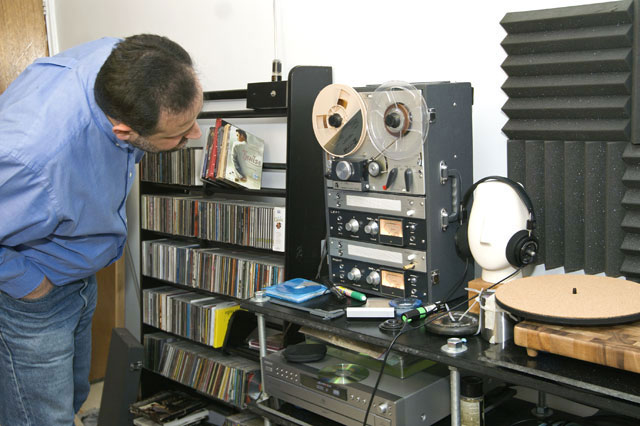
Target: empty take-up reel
374, 139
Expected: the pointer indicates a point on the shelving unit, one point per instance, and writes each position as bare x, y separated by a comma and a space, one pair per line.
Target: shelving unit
303, 196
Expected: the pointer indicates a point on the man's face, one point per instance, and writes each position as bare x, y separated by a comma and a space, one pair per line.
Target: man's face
174, 131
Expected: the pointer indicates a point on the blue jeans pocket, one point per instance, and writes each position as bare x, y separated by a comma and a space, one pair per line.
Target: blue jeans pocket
45, 347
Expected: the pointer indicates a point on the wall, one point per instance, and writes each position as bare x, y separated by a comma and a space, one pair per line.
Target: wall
232, 43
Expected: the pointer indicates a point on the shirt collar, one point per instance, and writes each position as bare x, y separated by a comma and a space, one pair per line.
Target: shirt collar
103, 122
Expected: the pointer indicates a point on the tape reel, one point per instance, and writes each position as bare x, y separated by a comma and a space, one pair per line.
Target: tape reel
339, 120
395, 119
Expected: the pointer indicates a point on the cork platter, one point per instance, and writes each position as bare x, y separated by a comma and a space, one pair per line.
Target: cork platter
572, 299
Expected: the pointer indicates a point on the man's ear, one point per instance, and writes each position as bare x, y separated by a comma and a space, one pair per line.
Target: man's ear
124, 132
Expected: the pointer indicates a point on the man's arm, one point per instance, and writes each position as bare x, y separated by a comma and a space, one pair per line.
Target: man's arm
28, 215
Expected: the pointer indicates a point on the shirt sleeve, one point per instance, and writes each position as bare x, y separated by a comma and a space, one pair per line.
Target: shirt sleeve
28, 215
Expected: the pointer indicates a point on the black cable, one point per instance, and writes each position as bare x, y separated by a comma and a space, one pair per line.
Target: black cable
323, 256
458, 283
407, 327
404, 329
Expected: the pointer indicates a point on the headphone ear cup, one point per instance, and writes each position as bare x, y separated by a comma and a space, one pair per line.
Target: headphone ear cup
522, 249
462, 242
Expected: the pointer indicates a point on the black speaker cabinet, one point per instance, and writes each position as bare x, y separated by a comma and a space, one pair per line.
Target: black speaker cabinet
122, 379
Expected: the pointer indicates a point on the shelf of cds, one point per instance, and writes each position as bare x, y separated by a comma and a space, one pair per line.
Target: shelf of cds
212, 236
207, 371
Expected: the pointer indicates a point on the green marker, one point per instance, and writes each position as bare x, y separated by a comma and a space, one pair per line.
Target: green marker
352, 293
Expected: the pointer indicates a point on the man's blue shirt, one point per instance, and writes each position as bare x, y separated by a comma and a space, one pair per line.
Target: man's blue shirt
64, 176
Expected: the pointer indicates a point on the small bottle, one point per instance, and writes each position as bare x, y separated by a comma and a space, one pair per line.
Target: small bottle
471, 401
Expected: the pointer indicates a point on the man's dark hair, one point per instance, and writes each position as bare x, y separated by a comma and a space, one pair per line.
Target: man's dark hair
143, 76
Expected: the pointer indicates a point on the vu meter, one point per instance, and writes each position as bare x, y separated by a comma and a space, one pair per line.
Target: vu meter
397, 157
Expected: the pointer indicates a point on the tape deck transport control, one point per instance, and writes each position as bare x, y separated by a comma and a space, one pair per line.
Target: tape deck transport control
397, 158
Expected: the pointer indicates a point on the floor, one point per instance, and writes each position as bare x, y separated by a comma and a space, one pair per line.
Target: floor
92, 402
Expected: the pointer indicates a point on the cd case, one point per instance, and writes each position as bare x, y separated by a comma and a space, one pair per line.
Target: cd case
296, 290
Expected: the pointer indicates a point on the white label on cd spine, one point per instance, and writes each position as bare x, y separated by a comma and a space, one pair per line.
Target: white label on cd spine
374, 203
278, 228
384, 255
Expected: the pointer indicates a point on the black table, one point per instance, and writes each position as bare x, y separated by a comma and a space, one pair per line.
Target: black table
598, 386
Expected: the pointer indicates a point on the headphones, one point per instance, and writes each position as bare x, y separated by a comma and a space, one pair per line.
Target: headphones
522, 248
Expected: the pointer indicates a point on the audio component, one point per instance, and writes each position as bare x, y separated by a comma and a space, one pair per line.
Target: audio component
341, 392
397, 158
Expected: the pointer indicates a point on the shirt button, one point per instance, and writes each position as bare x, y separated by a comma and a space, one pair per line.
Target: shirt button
117, 144
130, 174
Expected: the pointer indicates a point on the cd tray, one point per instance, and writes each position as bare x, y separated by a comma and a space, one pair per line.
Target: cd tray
341, 392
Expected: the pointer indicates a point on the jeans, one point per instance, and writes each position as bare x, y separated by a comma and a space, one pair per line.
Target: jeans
45, 355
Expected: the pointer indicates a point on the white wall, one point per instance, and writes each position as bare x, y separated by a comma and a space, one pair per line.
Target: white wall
366, 42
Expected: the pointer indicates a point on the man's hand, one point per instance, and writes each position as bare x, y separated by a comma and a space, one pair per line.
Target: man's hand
42, 290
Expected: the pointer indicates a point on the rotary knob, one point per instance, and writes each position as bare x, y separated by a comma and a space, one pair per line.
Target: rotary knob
373, 168
344, 170
373, 278
371, 228
354, 275
383, 408
352, 226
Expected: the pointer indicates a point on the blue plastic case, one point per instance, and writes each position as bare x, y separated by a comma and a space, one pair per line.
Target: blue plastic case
296, 290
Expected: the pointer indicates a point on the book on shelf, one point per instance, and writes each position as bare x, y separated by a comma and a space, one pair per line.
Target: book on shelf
234, 157
274, 343
209, 166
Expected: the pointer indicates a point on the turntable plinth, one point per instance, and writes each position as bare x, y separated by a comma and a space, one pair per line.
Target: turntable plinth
614, 345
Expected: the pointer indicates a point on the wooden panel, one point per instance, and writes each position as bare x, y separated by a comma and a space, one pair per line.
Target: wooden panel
615, 346
24, 37
109, 314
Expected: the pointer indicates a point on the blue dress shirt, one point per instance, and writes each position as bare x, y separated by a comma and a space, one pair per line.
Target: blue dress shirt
64, 176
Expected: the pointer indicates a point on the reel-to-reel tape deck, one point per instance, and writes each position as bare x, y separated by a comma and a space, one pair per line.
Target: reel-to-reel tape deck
397, 158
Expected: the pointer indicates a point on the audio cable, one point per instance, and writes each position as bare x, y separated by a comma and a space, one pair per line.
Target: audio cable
406, 327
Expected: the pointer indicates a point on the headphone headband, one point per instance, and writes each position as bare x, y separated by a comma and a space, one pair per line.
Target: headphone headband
531, 224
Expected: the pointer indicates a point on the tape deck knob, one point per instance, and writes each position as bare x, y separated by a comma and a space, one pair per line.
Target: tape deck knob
373, 168
352, 226
373, 278
344, 170
354, 275
371, 228
383, 408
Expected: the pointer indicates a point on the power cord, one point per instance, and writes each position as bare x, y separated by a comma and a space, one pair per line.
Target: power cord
406, 327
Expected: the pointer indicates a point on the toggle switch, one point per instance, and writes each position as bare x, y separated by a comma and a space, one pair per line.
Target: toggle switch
391, 178
408, 179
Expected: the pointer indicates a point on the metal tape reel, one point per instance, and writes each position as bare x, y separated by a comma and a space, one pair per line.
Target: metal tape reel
339, 120
397, 120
